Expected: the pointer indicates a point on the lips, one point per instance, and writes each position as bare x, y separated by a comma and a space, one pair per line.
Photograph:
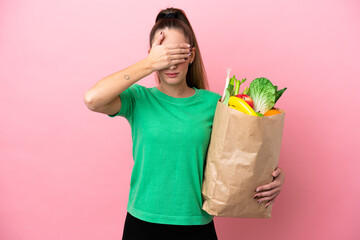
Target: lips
171, 75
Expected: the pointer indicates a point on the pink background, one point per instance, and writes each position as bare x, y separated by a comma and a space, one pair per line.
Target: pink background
65, 171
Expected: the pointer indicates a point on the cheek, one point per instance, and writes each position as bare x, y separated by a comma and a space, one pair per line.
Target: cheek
183, 66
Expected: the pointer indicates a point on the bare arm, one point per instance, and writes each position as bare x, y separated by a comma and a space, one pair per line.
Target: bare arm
103, 96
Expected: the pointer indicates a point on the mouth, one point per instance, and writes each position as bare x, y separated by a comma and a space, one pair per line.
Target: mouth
171, 75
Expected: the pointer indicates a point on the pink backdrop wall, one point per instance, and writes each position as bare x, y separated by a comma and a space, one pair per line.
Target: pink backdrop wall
65, 171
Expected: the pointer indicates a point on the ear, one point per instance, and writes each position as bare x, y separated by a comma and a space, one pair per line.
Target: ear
192, 57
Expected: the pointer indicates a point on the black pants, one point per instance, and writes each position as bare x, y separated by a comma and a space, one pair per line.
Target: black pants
136, 229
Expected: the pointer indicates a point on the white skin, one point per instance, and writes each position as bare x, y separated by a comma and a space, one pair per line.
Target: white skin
168, 52
268, 192
173, 86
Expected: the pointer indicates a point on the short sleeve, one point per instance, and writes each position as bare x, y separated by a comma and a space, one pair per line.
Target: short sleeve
128, 101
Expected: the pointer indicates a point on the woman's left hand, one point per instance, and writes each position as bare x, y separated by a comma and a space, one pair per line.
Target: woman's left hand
267, 193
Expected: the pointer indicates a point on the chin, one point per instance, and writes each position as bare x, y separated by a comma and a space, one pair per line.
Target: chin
172, 81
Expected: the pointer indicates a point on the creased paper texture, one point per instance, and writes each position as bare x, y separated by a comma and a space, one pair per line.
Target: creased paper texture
244, 151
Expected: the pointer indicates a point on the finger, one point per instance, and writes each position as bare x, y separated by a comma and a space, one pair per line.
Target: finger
269, 203
158, 39
277, 172
272, 197
179, 56
178, 45
179, 50
267, 193
269, 186
178, 61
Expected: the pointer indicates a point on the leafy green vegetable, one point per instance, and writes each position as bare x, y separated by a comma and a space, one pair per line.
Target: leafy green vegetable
278, 93
227, 97
246, 91
262, 91
230, 90
259, 114
231, 86
237, 86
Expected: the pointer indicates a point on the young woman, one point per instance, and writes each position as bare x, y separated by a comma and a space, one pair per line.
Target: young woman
171, 125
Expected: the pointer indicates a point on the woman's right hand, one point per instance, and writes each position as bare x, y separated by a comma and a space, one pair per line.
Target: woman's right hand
164, 56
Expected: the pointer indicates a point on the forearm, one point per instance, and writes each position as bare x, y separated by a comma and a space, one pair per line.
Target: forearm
108, 88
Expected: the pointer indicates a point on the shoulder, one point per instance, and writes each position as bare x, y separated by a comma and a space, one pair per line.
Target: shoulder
137, 87
210, 94
138, 90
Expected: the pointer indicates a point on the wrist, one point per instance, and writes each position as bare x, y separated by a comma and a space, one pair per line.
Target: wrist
147, 64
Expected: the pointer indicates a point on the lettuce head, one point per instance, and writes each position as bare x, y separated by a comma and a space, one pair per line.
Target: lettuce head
263, 93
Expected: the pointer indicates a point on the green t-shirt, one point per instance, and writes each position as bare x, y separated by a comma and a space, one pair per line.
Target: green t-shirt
170, 141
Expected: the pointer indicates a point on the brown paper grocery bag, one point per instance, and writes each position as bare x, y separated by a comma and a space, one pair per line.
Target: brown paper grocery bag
243, 152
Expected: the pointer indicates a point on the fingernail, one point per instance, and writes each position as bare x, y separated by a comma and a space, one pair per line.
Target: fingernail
259, 201
257, 190
189, 45
255, 196
189, 54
